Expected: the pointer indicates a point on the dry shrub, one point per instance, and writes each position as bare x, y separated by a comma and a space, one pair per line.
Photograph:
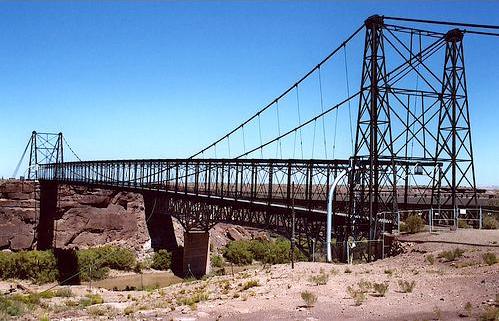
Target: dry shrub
452, 255
250, 284
490, 314
320, 279
309, 298
414, 224
463, 224
490, 223
365, 286
192, 300
406, 286
489, 258
468, 307
380, 288
357, 295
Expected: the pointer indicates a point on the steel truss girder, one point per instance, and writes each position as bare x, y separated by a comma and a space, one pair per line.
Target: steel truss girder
199, 213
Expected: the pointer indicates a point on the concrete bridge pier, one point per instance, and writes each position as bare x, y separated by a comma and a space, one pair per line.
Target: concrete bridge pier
48, 213
196, 260
161, 229
193, 260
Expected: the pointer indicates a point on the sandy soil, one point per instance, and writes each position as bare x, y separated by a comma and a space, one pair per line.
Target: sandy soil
442, 289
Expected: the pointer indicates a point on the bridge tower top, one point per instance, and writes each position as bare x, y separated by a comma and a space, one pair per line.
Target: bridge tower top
374, 21
44, 148
454, 35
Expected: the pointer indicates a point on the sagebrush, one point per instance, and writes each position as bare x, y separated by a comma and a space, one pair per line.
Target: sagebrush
249, 284
451, 255
309, 298
358, 295
489, 258
407, 286
320, 279
380, 288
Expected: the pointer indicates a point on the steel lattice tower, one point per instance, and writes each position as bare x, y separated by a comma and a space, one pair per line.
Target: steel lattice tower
45, 148
454, 147
372, 179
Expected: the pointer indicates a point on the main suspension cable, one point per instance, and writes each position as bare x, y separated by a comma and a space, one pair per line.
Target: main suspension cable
284, 93
70, 148
448, 23
482, 33
301, 126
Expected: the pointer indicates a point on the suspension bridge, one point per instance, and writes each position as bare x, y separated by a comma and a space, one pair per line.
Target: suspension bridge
407, 145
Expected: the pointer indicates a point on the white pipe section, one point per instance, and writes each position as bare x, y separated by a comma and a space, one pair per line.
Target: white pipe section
330, 213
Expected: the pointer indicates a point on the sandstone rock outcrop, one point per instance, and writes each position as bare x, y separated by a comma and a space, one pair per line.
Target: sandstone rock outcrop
95, 217
90, 217
86, 217
222, 233
17, 215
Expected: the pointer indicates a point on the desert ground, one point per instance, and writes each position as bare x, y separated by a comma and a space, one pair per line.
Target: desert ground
439, 285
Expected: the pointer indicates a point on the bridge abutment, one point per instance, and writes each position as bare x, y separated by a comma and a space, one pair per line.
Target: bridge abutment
196, 260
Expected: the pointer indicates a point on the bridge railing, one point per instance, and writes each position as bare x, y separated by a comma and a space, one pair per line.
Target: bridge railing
255, 180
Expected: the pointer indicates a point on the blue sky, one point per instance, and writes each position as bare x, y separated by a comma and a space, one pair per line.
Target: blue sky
163, 79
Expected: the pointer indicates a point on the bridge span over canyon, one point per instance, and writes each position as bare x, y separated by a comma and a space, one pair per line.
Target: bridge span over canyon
411, 148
